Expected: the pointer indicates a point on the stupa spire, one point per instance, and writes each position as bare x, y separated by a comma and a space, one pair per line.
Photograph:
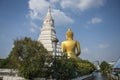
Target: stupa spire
48, 33
49, 13
49, 9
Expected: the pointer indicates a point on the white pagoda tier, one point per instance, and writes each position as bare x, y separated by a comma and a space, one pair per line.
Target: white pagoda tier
48, 33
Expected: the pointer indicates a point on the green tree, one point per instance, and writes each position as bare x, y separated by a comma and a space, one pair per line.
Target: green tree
4, 63
62, 68
66, 69
84, 67
105, 67
28, 57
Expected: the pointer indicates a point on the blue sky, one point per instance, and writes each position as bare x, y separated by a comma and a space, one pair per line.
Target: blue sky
95, 23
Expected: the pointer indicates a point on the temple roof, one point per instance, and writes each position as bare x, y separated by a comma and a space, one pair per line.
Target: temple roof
117, 65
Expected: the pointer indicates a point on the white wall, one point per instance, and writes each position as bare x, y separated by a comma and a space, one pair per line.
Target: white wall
12, 78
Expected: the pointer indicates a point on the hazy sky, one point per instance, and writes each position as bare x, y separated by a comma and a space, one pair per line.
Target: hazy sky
95, 23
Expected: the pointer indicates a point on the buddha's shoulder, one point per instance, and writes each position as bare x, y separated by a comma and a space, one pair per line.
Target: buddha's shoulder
64, 41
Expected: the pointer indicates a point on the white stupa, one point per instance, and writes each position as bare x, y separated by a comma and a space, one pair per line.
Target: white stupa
48, 33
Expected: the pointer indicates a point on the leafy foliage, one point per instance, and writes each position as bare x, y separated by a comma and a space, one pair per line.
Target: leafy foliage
32, 60
65, 69
5, 63
84, 67
28, 57
105, 67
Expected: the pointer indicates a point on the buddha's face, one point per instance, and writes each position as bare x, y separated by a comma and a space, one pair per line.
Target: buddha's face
69, 37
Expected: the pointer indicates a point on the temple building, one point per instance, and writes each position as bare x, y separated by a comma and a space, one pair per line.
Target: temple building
48, 33
116, 67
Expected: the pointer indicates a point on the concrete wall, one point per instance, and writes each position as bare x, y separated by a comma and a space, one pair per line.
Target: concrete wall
12, 78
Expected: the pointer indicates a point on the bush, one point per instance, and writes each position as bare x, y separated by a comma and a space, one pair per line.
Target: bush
65, 69
105, 67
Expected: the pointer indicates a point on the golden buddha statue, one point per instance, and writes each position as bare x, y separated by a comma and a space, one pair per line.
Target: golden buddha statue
70, 46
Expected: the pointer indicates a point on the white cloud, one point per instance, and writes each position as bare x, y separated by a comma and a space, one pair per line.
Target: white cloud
53, 1
95, 20
61, 18
33, 25
85, 50
104, 45
81, 4
32, 30
38, 10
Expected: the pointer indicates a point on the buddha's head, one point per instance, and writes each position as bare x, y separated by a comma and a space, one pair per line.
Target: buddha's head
69, 34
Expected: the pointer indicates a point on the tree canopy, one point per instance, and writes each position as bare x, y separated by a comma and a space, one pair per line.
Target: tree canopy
28, 56
68, 68
32, 60
105, 67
